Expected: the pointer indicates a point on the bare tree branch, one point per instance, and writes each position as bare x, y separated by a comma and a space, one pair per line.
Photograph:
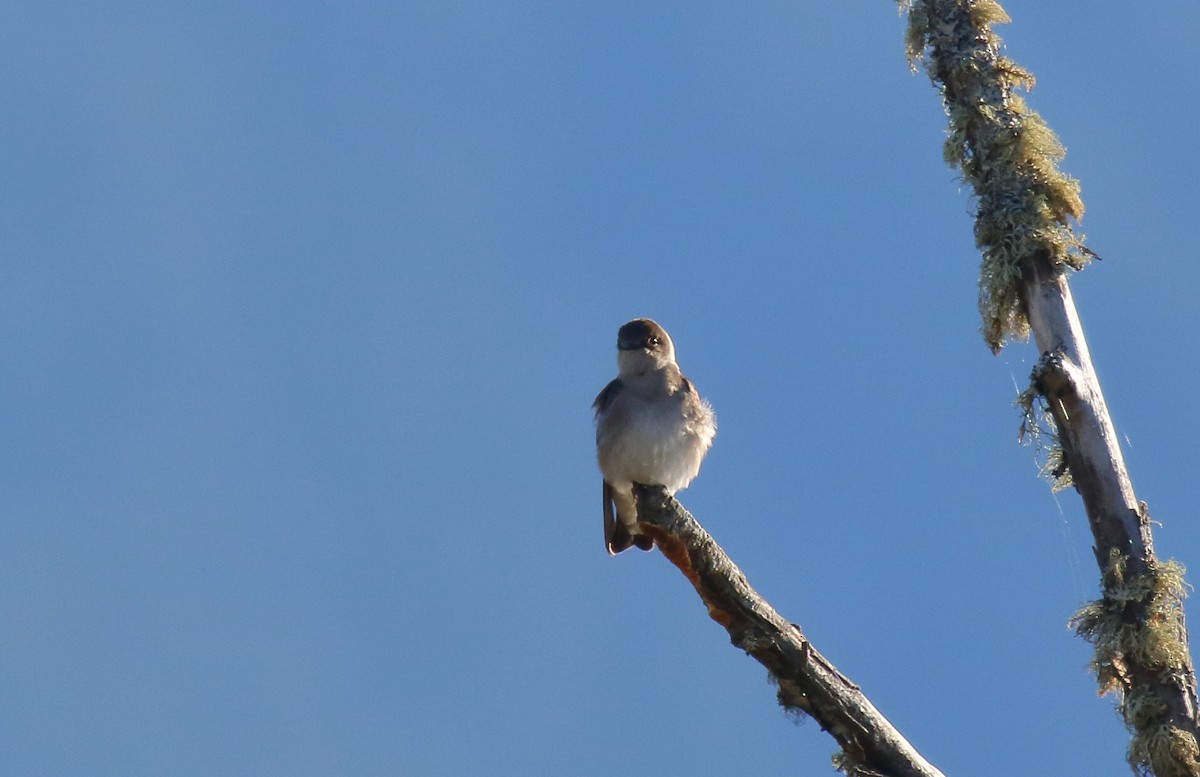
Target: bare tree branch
1138, 626
807, 682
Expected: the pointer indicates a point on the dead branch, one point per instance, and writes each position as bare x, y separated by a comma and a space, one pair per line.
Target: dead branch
807, 682
1022, 227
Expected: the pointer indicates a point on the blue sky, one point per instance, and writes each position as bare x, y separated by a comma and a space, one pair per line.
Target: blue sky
304, 307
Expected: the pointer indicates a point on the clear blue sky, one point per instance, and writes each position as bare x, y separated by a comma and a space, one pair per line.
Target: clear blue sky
304, 307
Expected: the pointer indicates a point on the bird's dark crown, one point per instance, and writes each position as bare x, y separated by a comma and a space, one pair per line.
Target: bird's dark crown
642, 333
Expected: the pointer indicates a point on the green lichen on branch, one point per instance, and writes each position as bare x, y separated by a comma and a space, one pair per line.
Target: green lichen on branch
1005, 151
1038, 429
1137, 627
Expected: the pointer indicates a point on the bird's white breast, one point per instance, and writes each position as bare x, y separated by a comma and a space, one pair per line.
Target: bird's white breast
654, 441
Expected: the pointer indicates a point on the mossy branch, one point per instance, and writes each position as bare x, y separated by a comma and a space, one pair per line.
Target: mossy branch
1026, 206
1137, 628
1005, 151
807, 683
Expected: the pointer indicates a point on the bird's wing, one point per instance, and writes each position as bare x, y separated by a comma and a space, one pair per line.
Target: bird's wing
606, 397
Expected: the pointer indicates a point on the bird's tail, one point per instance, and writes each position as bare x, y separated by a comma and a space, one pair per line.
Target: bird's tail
617, 536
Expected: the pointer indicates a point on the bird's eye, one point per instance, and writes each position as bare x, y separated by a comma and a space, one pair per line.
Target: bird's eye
652, 341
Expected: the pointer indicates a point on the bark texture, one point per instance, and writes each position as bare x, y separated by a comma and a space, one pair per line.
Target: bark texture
807, 682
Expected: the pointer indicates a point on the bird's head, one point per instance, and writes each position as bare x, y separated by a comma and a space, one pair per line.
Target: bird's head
642, 345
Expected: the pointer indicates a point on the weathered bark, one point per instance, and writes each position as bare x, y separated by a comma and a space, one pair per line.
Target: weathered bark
1163, 680
1066, 379
807, 682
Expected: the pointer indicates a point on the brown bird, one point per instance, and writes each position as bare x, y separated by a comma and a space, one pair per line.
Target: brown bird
652, 428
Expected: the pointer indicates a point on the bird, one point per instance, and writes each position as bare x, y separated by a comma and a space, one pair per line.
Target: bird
652, 428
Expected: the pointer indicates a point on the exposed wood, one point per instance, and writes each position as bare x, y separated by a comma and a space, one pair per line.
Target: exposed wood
807, 682
1067, 381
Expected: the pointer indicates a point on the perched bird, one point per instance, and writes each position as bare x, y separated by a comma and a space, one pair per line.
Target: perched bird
652, 428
